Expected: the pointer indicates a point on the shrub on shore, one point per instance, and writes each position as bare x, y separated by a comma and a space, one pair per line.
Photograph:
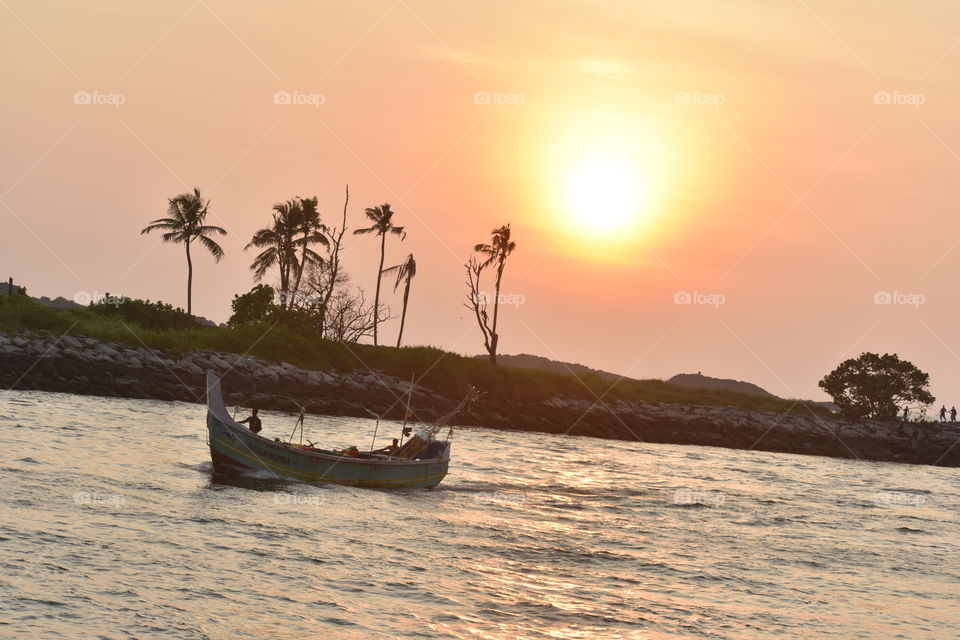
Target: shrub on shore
149, 315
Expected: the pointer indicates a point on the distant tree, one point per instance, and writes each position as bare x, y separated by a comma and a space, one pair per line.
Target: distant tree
279, 246
495, 253
382, 218
313, 231
257, 305
186, 214
875, 386
406, 271
10, 289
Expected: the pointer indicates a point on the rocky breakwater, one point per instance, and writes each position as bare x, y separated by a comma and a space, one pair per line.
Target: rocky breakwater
721, 426
87, 366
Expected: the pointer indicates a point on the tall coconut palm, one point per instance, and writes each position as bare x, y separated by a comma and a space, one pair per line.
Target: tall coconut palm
279, 246
186, 214
406, 271
496, 252
313, 231
382, 218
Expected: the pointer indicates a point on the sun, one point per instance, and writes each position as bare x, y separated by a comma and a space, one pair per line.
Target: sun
603, 180
607, 193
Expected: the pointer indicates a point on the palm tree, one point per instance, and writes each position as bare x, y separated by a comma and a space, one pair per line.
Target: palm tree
382, 218
314, 231
406, 271
497, 251
278, 244
186, 214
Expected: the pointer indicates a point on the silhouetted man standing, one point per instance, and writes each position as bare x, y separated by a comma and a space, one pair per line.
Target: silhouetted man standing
253, 421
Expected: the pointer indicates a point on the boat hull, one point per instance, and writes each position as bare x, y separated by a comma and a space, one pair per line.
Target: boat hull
233, 447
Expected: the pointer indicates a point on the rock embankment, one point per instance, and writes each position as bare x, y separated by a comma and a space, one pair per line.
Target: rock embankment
86, 366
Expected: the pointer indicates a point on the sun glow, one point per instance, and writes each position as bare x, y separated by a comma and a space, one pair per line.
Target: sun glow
605, 178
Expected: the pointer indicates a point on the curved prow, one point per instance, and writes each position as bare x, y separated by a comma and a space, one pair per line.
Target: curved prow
214, 396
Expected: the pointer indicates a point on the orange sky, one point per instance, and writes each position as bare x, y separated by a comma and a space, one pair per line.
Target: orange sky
773, 175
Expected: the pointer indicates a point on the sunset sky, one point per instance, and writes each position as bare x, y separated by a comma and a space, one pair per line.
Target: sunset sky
779, 165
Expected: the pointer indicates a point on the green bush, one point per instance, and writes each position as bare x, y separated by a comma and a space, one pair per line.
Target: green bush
149, 315
252, 307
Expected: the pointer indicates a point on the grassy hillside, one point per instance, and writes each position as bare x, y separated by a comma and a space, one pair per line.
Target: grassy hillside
447, 373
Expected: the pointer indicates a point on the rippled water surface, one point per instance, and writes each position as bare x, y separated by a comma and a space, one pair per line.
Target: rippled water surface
114, 527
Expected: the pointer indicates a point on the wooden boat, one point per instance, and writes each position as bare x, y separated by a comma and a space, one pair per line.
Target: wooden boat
421, 462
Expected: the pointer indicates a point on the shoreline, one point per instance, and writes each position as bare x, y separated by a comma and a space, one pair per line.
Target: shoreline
87, 366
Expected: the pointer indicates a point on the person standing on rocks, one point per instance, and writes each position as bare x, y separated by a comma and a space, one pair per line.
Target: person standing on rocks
253, 421
906, 414
953, 414
943, 413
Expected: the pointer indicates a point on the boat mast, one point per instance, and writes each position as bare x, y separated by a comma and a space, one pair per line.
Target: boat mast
299, 424
406, 413
375, 428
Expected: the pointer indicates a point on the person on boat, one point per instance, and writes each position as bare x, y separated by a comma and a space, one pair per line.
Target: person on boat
253, 421
391, 450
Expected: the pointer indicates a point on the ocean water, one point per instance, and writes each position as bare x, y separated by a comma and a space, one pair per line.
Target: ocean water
113, 526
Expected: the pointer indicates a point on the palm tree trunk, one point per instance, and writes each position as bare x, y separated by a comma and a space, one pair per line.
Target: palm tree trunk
303, 263
189, 280
376, 298
494, 338
284, 280
403, 316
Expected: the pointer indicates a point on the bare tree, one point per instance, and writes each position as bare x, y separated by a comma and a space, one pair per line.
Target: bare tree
477, 302
350, 317
496, 253
326, 276
343, 313
335, 236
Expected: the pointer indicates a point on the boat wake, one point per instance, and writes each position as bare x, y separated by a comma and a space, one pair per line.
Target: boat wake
204, 467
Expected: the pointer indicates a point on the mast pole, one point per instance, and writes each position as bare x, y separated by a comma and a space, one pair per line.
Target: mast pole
406, 413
